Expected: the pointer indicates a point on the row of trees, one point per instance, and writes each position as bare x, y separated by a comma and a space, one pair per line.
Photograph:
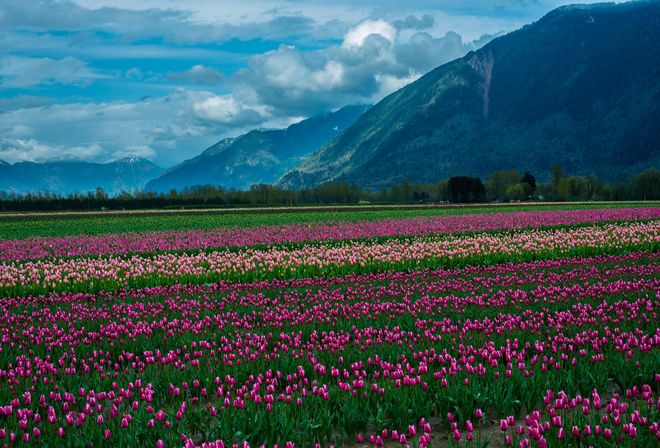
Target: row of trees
497, 187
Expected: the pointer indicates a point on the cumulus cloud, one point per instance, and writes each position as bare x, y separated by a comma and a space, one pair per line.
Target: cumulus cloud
225, 110
198, 74
297, 82
423, 52
356, 36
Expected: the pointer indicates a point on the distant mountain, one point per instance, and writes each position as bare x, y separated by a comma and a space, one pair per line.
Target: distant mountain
11, 179
258, 156
66, 174
580, 87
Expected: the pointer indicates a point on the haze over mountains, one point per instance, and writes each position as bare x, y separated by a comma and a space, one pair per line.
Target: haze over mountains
258, 156
68, 174
580, 87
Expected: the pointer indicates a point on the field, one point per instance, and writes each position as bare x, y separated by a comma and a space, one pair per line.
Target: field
514, 325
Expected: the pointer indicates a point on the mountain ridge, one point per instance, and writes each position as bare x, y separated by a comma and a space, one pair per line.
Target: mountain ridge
259, 156
66, 174
578, 87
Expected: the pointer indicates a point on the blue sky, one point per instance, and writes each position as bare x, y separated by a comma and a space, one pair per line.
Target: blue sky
165, 79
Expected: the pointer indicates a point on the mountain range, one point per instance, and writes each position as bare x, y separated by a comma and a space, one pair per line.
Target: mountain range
580, 87
67, 173
260, 156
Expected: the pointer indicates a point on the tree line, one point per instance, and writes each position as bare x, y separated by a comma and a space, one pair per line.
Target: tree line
504, 186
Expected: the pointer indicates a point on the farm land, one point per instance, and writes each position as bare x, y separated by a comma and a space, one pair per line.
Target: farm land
527, 325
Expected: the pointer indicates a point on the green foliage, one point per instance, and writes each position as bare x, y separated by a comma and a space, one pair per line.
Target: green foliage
528, 181
516, 193
463, 189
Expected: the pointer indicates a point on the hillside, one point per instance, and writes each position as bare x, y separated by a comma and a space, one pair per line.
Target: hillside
258, 156
580, 87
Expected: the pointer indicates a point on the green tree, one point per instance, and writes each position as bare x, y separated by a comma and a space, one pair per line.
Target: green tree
515, 193
562, 190
443, 194
577, 187
395, 193
100, 194
464, 189
557, 173
528, 182
407, 191
384, 195
594, 187
647, 185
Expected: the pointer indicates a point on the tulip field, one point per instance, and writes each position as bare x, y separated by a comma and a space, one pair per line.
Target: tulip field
426, 327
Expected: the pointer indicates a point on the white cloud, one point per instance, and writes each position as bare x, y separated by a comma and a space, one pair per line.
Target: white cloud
18, 150
165, 129
143, 151
226, 110
198, 74
369, 64
357, 35
16, 71
424, 52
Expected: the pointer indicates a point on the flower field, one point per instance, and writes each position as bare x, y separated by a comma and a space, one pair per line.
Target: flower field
526, 328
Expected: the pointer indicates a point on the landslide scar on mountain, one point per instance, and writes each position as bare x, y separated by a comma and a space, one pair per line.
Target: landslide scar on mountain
483, 65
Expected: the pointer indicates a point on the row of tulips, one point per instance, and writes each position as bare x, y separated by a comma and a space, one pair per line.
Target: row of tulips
331, 360
328, 259
225, 237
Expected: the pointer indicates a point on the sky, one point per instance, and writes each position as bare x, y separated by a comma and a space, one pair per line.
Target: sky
165, 79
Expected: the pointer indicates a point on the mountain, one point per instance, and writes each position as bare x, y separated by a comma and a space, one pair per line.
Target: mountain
11, 179
260, 156
580, 87
66, 174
